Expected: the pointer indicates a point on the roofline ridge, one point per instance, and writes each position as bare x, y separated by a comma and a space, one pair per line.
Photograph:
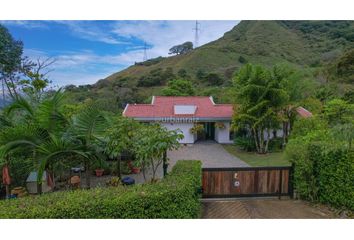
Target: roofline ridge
125, 109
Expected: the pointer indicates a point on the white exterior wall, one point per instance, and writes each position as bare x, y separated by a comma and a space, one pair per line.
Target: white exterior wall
184, 127
279, 134
223, 135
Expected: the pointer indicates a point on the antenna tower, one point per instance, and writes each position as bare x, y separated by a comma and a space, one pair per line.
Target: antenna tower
145, 54
196, 36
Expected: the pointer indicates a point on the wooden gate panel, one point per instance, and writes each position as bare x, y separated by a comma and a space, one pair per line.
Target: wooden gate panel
234, 182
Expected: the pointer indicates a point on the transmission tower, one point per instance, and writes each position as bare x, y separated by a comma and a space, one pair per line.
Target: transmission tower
145, 53
196, 32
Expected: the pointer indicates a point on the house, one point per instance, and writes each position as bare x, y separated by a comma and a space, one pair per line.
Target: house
185, 112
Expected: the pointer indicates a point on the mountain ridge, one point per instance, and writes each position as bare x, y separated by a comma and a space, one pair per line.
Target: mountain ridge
303, 44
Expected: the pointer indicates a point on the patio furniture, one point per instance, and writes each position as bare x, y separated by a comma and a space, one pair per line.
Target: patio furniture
128, 181
75, 182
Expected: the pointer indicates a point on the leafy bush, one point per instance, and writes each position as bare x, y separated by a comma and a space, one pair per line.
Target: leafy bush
324, 165
176, 196
275, 144
334, 171
156, 77
242, 59
245, 143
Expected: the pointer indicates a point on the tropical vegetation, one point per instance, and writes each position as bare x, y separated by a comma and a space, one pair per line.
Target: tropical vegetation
176, 196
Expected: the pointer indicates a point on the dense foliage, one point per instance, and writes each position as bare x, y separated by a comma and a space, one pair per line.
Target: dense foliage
181, 48
266, 100
179, 87
176, 196
321, 150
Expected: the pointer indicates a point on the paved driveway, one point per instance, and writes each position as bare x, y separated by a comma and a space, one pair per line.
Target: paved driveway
264, 208
212, 155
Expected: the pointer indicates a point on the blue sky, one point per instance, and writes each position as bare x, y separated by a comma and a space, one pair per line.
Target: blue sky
86, 51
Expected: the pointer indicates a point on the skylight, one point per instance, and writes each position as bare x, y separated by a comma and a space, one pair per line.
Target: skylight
185, 109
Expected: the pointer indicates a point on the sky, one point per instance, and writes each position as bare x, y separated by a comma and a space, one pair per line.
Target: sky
87, 51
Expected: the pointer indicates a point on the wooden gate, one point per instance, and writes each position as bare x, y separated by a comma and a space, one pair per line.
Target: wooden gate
246, 182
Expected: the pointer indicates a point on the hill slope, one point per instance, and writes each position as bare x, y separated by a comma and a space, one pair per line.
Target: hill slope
300, 43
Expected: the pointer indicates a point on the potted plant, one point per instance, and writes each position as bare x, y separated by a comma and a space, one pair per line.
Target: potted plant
220, 125
133, 168
99, 169
197, 128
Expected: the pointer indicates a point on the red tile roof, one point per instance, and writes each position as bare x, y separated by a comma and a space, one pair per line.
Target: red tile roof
303, 112
164, 107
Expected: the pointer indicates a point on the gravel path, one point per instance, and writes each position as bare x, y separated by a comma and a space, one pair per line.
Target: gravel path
212, 154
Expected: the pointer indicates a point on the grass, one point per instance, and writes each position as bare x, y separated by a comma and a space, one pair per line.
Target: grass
258, 160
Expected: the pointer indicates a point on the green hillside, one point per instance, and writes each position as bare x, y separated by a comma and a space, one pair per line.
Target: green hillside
309, 45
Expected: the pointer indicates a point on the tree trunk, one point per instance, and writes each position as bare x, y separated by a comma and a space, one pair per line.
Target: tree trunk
285, 133
87, 176
165, 164
119, 172
267, 142
39, 187
143, 170
261, 141
255, 135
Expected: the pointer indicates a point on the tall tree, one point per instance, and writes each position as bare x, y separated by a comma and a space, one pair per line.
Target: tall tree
179, 87
259, 99
10, 60
150, 144
119, 138
297, 86
182, 48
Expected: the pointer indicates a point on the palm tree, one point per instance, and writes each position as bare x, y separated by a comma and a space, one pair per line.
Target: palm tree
41, 132
88, 129
44, 149
34, 128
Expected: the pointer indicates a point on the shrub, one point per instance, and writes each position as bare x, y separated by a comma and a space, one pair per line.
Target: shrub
334, 172
324, 171
242, 59
275, 144
245, 143
176, 196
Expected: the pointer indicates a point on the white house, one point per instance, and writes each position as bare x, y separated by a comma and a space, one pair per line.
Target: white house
185, 112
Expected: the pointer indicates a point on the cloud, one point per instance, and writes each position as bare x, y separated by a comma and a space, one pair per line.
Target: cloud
91, 31
162, 35
83, 67
24, 24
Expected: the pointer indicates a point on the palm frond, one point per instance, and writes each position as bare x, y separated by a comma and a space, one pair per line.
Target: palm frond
89, 124
49, 113
20, 104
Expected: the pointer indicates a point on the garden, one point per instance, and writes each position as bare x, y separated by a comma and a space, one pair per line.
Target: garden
43, 143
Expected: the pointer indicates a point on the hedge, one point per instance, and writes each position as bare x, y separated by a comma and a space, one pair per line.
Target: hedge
334, 174
325, 174
176, 196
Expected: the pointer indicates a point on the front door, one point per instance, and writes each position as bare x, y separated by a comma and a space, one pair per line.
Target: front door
209, 129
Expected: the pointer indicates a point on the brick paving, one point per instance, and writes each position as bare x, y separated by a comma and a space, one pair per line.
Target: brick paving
212, 155
264, 208
224, 210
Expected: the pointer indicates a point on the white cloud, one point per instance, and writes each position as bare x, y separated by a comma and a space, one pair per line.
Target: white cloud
78, 68
24, 24
90, 31
162, 35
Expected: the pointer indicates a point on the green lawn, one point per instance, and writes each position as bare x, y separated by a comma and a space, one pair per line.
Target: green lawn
258, 160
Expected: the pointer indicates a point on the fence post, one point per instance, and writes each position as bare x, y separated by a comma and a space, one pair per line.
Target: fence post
291, 180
